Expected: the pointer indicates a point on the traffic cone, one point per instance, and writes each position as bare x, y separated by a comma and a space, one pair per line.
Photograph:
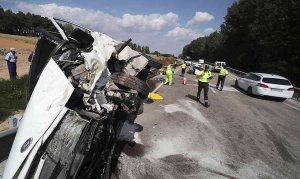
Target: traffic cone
184, 80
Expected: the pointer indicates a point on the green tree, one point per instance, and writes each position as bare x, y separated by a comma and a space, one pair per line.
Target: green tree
68, 28
147, 50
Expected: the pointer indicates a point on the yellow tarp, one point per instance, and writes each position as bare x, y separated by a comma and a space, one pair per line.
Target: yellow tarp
155, 96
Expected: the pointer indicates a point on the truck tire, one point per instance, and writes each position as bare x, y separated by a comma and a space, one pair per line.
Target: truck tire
131, 82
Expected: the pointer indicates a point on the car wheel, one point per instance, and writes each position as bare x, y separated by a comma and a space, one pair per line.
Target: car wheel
281, 99
236, 83
132, 82
249, 91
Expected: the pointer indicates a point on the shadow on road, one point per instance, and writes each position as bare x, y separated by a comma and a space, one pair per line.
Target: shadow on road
194, 98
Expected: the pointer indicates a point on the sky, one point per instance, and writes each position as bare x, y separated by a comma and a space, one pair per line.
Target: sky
163, 25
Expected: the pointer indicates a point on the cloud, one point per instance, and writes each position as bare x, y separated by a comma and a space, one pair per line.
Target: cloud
146, 23
160, 32
100, 21
200, 17
187, 34
181, 33
208, 31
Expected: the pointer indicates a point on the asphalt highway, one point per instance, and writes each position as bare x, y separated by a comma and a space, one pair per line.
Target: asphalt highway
238, 136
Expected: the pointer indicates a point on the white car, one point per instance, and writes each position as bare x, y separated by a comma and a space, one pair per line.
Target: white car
217, 66
188, 63
263, 84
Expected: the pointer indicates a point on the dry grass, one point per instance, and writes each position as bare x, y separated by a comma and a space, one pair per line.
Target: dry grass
25, 39
163, 60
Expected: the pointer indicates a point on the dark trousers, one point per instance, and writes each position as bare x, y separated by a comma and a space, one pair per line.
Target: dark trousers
12, 69
205, 86
182, 71
221, 79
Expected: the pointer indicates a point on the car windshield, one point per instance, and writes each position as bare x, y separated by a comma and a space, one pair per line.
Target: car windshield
276, 81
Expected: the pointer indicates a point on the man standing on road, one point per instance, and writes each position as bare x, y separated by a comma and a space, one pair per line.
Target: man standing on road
11, 59
169, 75
203, 78
221, 78
183, 67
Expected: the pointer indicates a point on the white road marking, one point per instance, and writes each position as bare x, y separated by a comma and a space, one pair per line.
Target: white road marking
213, 90
292, 106
160, 85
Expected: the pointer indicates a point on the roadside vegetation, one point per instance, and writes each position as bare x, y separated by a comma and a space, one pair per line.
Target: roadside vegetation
13, 96
25, 39
165, 60
259, 36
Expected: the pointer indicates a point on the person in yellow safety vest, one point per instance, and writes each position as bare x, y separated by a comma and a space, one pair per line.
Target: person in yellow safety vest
169, 75
183, 67
221, 78
203, 78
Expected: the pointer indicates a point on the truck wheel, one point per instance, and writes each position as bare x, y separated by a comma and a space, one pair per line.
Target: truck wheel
132, 82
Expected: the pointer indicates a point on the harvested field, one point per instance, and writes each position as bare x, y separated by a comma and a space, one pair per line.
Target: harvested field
23, 46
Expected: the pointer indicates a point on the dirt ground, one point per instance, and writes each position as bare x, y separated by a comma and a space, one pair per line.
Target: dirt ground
23, 50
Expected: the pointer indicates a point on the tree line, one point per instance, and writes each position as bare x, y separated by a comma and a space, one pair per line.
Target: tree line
143, 49
20, 23
259, 36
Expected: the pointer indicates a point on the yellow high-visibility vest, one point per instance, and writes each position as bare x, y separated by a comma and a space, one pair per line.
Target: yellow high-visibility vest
169, 70
183, 66
204, 78
223, 72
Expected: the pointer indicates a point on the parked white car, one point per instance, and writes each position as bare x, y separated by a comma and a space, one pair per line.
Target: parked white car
263, 84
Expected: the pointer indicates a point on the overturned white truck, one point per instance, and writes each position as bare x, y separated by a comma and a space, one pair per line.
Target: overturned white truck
85, 90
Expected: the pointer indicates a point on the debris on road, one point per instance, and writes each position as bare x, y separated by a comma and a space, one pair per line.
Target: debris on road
155, 96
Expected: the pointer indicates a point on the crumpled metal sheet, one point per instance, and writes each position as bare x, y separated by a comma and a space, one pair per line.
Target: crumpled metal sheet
136, 64
103, 48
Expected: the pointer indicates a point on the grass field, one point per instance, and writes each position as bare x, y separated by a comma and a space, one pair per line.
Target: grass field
25, 39
13, 96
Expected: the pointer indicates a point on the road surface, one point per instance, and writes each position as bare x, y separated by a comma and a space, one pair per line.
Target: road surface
237, 137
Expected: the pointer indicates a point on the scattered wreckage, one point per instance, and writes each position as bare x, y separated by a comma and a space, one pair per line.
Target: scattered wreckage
85, 91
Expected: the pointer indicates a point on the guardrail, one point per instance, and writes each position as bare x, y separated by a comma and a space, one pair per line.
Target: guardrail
296, 95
